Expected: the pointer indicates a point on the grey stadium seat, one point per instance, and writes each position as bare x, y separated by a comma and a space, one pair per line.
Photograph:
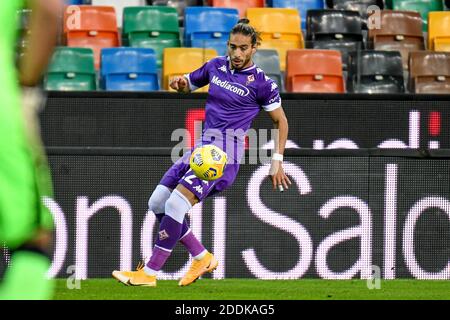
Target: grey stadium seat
269, 61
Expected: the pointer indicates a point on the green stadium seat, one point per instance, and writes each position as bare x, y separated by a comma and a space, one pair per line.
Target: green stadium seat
71, 69
154, 27
421, 6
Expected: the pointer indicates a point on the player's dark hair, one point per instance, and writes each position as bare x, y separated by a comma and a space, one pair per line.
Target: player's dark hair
243, 27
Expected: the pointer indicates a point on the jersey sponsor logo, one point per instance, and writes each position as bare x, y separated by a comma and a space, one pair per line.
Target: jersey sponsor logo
234, 87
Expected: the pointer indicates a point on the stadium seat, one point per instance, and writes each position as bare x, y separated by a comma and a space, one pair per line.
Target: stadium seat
208, 27
372, 71
429, 72
241, 5
360, 6
97, 29
310, 70
336, 30
439, 31
269, 61
119, 6
154, 27
71, 69
139, 73
180, 5
301, 5
179, 61
421, 6
399, 31
279, 29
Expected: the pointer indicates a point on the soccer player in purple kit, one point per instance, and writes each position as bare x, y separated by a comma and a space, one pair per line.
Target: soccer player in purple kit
238, 90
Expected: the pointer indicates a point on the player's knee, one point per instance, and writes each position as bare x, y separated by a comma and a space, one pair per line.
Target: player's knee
158, 199
177, 206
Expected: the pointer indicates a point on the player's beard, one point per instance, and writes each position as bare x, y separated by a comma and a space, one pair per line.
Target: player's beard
245, 63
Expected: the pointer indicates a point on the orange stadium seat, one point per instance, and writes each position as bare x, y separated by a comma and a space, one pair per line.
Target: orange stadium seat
311, 70
92, 27
399, 31
241, 5
179, 61
279, 28
439, 30
429, 72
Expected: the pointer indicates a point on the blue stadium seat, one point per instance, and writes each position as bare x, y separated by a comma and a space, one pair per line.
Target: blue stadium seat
209, 27
139, 73
69, 2
301, 5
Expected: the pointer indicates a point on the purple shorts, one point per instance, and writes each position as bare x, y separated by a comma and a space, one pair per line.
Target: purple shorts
181, 173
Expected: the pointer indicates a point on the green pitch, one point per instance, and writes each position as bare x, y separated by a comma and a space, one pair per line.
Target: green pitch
250, 289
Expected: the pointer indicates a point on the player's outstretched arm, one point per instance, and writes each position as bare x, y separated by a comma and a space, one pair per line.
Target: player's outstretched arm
180, 84
279, 178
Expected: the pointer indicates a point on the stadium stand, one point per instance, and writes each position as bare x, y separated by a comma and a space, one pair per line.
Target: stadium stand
140, 72
335, 29
429, 72
154, 27
269, 61
241, 5
399, 31
301, 5
372, 71
360, 6
310, 70
179, 61
119, 6
421, 6
180, 5
97, 29
71, 69
209, 27
439, 31
279, 29
159, 24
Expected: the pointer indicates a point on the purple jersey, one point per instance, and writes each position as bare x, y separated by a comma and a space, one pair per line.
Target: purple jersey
234, 100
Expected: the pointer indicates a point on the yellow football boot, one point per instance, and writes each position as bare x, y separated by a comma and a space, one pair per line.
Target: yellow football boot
199, 267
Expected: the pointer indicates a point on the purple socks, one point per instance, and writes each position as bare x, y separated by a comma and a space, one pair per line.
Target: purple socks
168, 235
188, 239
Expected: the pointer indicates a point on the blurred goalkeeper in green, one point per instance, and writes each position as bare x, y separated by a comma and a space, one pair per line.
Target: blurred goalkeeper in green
25, 223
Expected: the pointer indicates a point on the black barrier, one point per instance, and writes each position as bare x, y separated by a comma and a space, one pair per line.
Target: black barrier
348, 214
319, 121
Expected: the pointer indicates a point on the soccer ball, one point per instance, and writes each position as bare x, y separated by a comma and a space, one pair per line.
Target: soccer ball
208, 162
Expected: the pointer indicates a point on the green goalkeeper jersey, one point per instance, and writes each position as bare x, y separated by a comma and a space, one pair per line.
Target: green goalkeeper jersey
8, 33
24, 174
